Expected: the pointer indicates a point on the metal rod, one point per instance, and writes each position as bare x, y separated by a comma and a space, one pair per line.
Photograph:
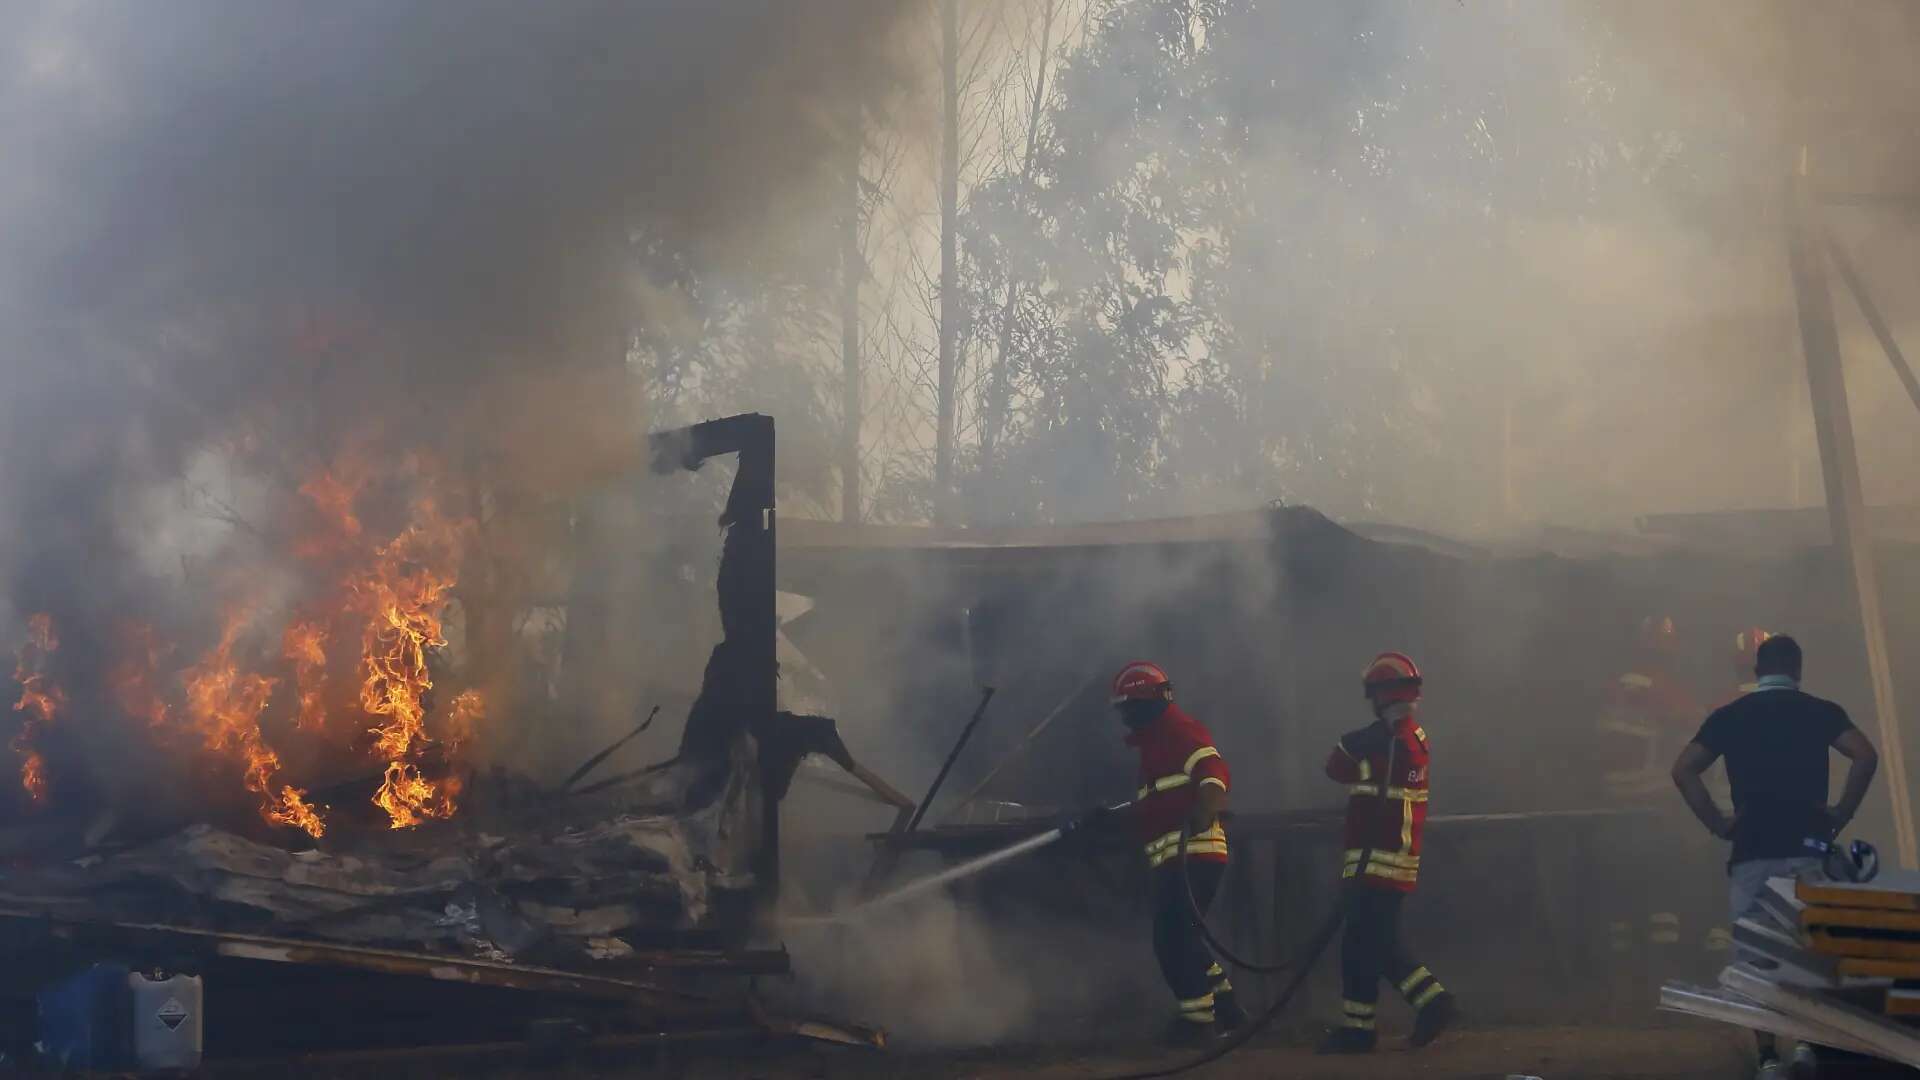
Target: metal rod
1843, 263
1026, 742
966, 733
903, 805
593, 762
1840, 471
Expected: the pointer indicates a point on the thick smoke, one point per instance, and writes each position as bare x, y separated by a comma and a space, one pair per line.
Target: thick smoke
251, 242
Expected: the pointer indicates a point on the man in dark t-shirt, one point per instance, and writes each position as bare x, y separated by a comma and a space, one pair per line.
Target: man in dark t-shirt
1775, 742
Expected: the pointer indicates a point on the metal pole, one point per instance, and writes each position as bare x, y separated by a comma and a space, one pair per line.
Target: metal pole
1840, 469
1026, 742
1871, 310
966, 733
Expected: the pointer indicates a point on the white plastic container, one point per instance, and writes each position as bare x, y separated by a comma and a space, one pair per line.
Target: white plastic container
167, 1020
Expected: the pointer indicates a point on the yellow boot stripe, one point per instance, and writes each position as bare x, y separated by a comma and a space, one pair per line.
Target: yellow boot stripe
1420, 1000
1407, 984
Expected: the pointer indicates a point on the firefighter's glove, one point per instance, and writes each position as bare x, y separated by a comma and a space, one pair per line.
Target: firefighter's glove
1098, 819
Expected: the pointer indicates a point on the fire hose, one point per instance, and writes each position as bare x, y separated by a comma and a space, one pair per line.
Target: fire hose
1302, 965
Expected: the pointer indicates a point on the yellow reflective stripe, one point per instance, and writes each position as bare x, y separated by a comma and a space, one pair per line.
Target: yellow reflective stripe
1172, 839
1389, 873
1407, 984
1214, 780
1214, 971
1195, 1004
1165, 783
1197, 757
1400, 793
1391, 858
1364, 1024
1420, 1000
1209, 847
1356, 1008
1421, 734
1636, 681
1406, 826
1366, 768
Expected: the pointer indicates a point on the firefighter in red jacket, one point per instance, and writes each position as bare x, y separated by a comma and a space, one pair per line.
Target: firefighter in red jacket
1384, 766
1183, 787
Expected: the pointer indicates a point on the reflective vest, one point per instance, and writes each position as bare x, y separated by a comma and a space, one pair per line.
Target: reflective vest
1177, 756
1385, 770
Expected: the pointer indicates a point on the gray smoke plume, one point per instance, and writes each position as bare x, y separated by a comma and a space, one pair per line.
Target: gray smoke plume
245, 239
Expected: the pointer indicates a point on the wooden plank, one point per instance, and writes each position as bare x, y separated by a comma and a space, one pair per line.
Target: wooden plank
1905, 922
1729, 1008
1888, 1039
1846, 501
1864, 967
1825, 942
1893, 890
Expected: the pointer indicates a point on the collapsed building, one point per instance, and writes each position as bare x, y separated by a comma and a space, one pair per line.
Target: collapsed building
622, 901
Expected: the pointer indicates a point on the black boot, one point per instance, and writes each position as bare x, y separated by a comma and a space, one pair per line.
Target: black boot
1186, 1034
1433, 1018
1347, 1040
1227, 1012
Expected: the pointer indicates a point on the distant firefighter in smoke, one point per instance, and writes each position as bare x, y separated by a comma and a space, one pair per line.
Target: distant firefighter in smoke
1183, 788
1384, 766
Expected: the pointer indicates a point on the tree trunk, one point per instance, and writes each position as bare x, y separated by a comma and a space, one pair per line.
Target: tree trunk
850, 375
949, 263
1000, 395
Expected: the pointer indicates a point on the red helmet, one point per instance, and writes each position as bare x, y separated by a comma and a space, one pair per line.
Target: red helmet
1391, 677
1657, 633
1140, 681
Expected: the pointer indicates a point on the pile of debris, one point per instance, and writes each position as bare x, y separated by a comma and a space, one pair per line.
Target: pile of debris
563, 893
1828, 963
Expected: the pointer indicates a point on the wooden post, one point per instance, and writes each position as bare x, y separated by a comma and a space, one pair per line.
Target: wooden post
1840, 470
1875, 321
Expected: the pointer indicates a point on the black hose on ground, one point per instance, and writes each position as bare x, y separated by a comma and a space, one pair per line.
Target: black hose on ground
1302, 965
1200, 920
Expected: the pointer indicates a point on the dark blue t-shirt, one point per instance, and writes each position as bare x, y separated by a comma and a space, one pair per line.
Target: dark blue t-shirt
1775, 744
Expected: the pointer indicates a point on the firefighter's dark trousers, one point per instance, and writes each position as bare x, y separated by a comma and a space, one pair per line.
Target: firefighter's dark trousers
1184, 960
1372, 949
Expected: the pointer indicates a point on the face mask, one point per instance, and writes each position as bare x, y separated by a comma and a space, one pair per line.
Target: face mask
1394, 712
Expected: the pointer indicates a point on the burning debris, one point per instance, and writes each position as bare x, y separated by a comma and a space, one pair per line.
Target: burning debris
40, 701
258, 688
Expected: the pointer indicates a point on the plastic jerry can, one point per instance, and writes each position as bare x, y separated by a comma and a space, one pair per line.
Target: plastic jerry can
167, 1020
83, 1021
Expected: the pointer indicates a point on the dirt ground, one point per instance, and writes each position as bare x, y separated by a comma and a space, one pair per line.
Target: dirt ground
1703, 1052
1697, 1053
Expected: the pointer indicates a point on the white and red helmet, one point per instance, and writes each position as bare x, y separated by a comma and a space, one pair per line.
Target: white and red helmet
1140, 681
1391, 677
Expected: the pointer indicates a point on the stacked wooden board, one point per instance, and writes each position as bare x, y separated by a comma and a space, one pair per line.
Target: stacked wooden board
1831, 963
1873, 931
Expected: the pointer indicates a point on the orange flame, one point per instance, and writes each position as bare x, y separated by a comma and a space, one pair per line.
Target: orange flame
133, 673
464, 714
403, 593
331, 493
304, 644
40, 701
225, 705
